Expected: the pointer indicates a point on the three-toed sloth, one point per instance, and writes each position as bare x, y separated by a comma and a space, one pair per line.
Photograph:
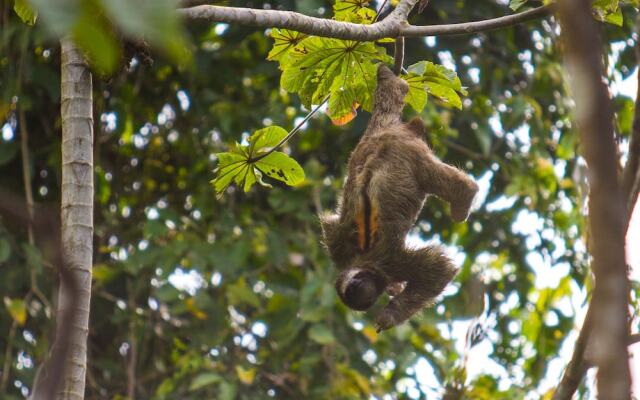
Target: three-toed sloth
390, 173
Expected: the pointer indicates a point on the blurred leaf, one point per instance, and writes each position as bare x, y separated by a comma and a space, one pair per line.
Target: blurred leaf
228, 391
17, 309
321, 334
27, 14
246, 376
515, 5
608, 11
153, 20
239, 293
8, 151
370, 333
204, 380
103, 273
95, 38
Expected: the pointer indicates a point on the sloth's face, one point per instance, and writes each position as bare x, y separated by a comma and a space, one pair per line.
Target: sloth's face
359, 287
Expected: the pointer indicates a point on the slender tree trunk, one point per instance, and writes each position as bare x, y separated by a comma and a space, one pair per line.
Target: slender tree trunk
76, 214
607, 208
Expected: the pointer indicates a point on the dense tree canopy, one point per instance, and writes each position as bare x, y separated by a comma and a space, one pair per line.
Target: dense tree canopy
231, 296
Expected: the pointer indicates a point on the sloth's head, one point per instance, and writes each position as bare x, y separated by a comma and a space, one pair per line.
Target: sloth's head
359, 287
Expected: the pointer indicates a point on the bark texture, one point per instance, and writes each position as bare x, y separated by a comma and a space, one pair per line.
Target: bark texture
607, 211
76, 213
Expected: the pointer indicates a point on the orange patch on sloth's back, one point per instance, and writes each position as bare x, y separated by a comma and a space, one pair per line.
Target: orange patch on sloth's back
367, 222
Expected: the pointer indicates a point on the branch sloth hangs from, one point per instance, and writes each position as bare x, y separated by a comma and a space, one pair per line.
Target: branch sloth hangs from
390, 173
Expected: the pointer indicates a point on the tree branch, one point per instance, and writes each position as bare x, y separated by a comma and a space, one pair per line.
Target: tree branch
477, 26
389, 27
578, 366
608, 333
392, 26
631, 173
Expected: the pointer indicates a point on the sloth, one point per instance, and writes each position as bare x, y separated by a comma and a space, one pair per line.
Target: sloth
390, 173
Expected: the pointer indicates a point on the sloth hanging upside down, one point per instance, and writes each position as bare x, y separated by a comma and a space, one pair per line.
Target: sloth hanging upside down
390, 173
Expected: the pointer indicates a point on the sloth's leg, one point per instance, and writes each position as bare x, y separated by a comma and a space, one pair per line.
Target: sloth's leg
448, 183
427, 272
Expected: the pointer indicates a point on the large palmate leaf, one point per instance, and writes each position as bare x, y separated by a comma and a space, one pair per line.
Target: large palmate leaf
320, 67
436, 80
245, 165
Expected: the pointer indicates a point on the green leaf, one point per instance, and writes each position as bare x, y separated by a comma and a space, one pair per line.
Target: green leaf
608, 11
321, 67
355, 11
266, 138
204, 380
245, 165
515, 5
417, 96
230, 166
444, 94
27, 14
17, 309
437, 80
280, 166
228, 391
615, 17
319, 333
284, 41
99, 43
156, 21
342, 108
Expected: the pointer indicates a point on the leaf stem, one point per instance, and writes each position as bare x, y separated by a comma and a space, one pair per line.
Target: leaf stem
291, 133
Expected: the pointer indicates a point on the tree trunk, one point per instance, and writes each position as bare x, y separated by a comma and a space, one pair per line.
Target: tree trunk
607, 209
76, 216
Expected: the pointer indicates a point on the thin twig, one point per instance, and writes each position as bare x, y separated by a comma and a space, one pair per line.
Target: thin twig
48, 379
463, 150
8, 357
398, 56
290, 134
379, 11
577, 367
26, 170
633, 339
467, 28
133, 347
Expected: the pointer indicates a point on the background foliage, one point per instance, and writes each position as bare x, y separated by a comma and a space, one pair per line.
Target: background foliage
233, 297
